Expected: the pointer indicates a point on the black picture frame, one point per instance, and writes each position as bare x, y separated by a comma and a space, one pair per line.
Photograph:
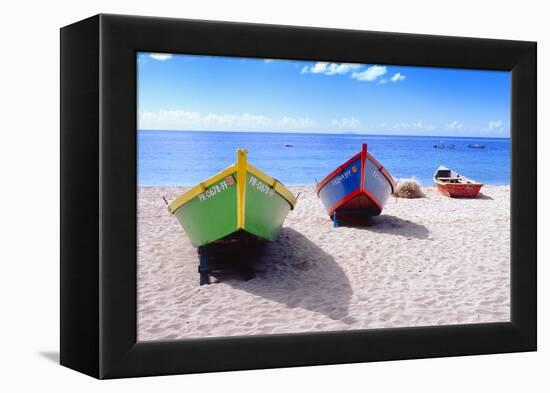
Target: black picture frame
98, 196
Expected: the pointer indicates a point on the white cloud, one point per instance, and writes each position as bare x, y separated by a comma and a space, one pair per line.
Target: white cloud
346, 123
370, 74
188, 120
398, 77
160, 56
454, 125
488, 129
414, 126
422, 126
358, 71
495, 125
401, 125
296, 123
318, 68
342, 68
330, 68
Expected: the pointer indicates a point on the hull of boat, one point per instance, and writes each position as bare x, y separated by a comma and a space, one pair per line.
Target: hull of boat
239, 199
454, 185
359, 186
459, 190
343, 187
264, 209
211, 215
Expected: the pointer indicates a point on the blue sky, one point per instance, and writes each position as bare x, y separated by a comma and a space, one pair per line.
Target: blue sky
210, 93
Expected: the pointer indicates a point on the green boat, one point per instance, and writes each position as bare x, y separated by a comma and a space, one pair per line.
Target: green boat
240, 200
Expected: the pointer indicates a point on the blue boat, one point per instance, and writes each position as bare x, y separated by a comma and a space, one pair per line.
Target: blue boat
357, 189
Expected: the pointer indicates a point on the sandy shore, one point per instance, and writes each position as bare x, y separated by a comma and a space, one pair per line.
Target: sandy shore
427, 261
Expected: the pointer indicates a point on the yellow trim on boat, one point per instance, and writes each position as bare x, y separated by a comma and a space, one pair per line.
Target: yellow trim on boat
200, 188
275, 184
241, 186
241, 167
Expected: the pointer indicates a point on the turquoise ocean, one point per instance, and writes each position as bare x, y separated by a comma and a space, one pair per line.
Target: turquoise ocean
185, 158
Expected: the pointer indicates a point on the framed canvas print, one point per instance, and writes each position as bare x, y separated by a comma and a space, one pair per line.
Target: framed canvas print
239, 196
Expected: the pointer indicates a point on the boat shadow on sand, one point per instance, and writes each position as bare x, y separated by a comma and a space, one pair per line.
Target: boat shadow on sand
483, 196
293, 271
391, 225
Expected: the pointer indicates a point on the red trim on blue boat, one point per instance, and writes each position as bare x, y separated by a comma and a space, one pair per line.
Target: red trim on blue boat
334, 173
383, 170
373, 200
363, 158
352, 195
345, 199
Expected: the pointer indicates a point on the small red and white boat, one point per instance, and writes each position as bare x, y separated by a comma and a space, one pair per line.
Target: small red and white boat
455, 185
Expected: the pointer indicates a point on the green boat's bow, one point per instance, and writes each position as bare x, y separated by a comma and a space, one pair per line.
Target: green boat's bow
239, 198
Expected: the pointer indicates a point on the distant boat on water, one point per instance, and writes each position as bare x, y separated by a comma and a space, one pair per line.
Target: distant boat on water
476, 146
442, 145
357, 189
289, 145
454, 185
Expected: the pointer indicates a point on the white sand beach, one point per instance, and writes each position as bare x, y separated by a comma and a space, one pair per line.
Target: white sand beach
429, 261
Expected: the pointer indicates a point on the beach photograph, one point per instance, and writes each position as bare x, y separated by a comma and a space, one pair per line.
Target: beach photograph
285, 196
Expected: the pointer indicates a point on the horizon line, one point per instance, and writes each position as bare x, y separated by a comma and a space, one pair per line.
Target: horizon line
330, 133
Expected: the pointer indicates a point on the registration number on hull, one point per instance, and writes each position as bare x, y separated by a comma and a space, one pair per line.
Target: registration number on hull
261, 186
216, 189
342, 177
